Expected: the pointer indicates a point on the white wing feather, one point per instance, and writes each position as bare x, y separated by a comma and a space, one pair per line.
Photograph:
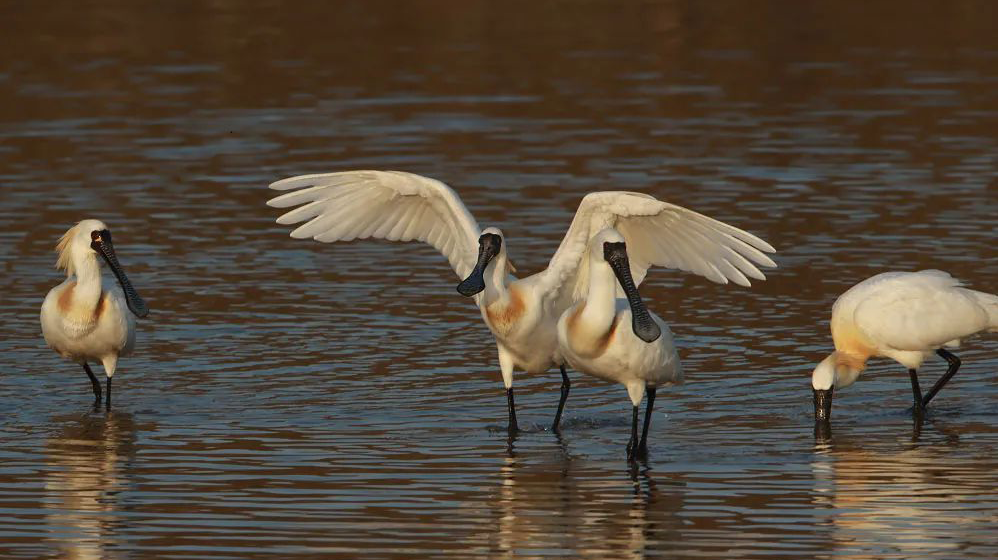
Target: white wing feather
657, 234
391, 205
915, 311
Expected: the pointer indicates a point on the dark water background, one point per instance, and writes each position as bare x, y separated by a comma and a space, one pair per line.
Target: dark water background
297, 400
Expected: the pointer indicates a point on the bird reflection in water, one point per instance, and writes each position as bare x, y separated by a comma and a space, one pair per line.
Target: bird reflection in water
915, 498
87, 465
566, 503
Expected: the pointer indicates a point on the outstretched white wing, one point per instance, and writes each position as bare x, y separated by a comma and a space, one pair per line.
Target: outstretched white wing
391, 205
657, 234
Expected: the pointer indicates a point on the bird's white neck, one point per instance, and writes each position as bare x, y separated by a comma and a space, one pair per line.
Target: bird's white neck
88, 287
601, 301
496, 277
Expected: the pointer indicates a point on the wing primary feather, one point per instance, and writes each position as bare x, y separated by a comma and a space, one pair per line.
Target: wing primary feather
345, 229
672, 242
297, 197
306, 212
751, 252
715, 275
732, 272
321, 200
742, 264
319, 224
716, 261
321, 179
366, 212
735, 243
322, 223
735, 232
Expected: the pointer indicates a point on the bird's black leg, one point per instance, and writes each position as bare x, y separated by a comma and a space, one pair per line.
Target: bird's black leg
94, 383
107, 405
632, 445
643, 446
513, 427
954, 364
566, 385
916, 391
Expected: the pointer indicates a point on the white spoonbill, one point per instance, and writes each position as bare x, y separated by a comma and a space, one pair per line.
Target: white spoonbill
84, 318
521, 313
904, 316
594, 337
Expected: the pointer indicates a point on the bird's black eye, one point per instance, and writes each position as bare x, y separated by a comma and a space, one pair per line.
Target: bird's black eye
95, 235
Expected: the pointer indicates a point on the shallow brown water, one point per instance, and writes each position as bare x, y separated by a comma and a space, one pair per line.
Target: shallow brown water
297, 400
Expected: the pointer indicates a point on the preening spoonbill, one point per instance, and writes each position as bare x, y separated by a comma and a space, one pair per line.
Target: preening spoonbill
84, 318
521, 313
617, 339
904, 316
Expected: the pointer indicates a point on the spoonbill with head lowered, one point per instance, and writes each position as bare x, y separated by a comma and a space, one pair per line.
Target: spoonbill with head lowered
84, 318
904, 316
521, 313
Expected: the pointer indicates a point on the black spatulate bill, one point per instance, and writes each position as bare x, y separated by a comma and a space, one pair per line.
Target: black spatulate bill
641, 321
100, 241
